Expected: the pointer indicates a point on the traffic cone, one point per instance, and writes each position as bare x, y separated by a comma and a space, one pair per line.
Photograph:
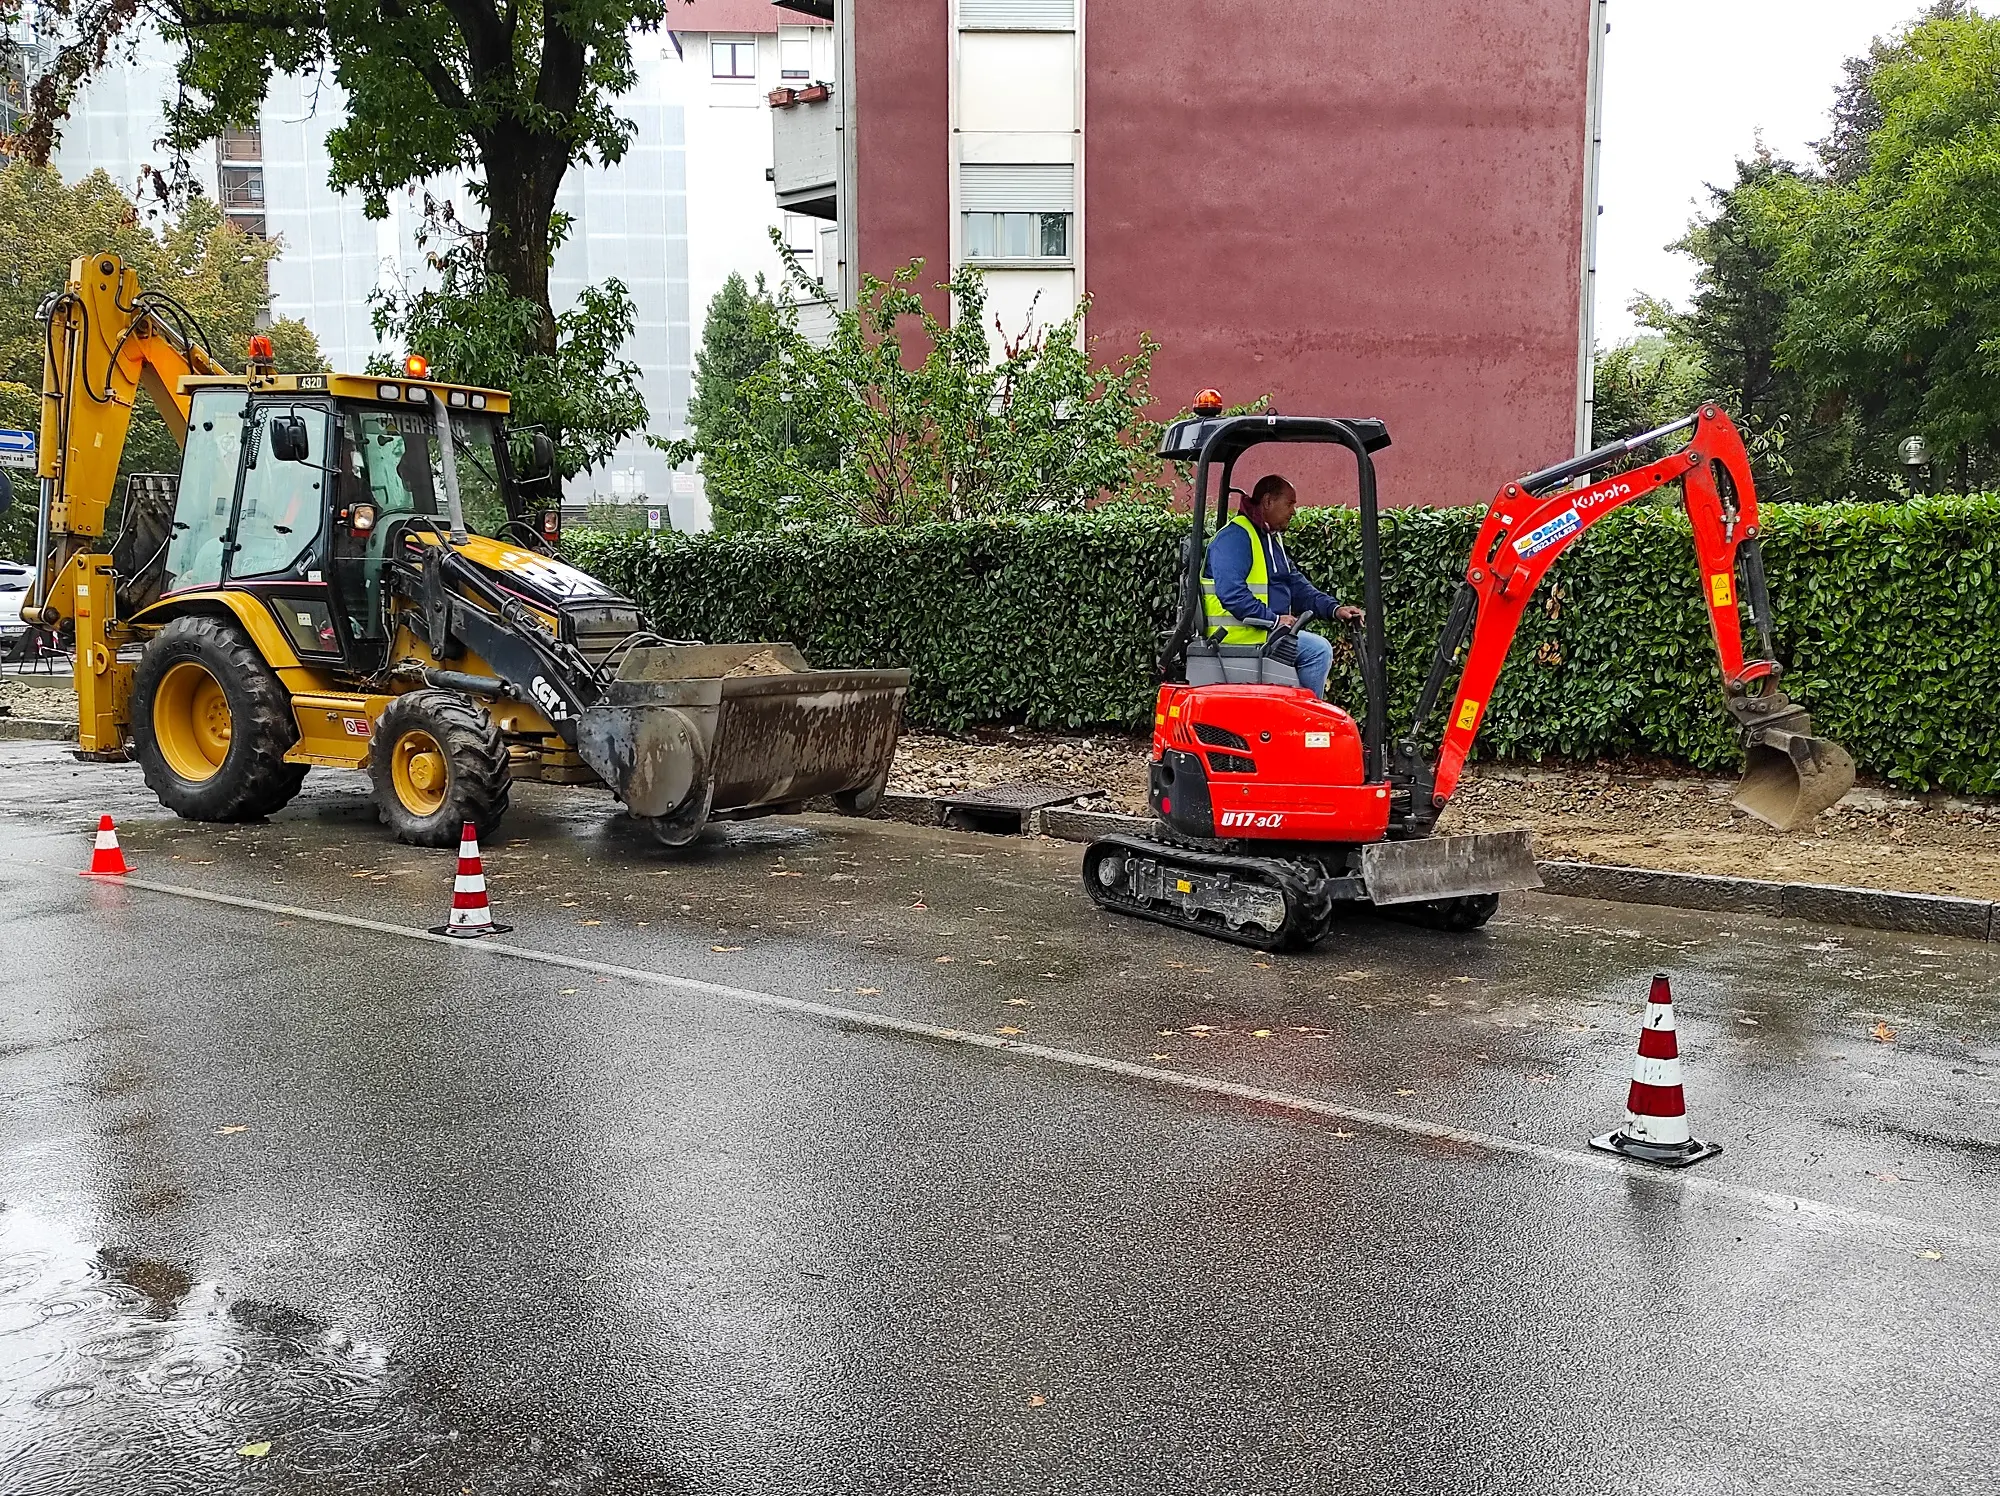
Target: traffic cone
470, 914
1656, 1124
107, 859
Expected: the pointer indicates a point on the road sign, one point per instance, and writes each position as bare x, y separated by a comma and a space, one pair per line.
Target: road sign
652, 519
17, 449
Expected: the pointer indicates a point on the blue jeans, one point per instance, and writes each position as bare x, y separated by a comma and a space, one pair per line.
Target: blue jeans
1315, 663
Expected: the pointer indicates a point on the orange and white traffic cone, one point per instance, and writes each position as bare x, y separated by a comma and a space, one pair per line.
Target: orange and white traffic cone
107, 859
1656, 1124
470, 914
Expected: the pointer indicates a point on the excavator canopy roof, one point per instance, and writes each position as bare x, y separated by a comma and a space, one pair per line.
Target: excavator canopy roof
1225, 436
382, 387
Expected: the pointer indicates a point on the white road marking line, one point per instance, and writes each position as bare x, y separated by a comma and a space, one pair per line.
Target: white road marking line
1913, 1233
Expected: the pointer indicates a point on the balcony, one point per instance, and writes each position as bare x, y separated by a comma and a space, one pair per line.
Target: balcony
805, 149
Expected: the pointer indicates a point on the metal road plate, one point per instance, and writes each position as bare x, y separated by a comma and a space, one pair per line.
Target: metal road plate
1021, 797
1449, 867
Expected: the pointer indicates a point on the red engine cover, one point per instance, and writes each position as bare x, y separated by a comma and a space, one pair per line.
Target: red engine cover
1281, 764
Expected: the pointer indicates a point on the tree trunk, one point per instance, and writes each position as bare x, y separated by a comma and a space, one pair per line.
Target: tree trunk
520, 197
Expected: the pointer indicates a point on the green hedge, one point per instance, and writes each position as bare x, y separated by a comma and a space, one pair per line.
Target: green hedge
1888, 617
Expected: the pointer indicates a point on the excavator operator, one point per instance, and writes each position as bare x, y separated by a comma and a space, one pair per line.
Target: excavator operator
1250, 587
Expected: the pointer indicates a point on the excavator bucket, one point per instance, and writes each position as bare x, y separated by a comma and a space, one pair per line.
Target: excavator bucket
1789, 778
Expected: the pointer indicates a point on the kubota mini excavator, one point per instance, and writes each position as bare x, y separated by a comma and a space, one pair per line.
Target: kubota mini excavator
1274, 807
350, 571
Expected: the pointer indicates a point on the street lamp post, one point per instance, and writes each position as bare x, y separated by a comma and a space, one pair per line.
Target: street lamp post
1916, 454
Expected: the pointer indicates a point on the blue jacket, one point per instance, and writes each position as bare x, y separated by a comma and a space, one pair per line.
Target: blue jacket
1229, 564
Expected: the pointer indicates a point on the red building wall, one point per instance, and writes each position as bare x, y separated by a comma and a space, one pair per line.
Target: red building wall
1356, 207
902, 103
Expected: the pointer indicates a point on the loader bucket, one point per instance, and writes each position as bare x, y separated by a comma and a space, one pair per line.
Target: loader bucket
693, 733
1789, 778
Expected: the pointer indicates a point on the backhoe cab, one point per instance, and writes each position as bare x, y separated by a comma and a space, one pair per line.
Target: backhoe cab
360, 572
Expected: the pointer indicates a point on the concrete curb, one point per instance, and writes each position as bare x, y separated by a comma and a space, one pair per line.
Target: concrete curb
37, 729
1819, 903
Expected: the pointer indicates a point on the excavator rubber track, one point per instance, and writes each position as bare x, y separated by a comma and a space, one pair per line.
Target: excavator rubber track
1269, 903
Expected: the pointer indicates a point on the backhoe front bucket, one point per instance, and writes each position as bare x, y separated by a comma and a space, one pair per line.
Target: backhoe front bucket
688, 734
1789, 778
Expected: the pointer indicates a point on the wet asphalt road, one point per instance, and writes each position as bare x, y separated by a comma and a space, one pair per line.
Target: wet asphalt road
438, 1218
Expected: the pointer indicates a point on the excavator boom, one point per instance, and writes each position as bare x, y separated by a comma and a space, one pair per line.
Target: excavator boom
1790, 775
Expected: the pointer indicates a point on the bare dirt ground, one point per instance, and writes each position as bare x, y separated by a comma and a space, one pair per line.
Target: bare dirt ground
29, 696
1875, 838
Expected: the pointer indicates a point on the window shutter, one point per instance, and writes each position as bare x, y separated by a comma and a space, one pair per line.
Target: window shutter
1017, 189
1017, 15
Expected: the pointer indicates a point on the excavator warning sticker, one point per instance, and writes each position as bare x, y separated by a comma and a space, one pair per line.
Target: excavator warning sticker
1548, 533
1468, 716
1720, 589
1319, 740
355, 727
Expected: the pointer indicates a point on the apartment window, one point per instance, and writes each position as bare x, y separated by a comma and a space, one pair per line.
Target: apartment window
241, 143
794, 57
732, 59
1016, 236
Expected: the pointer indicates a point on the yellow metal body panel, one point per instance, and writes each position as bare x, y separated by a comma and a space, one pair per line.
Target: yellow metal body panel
336, 728
514, 718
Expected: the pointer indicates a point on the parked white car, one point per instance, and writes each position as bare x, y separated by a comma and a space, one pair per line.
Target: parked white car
13, 592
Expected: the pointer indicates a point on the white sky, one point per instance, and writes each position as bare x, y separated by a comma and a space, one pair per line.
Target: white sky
1688, 84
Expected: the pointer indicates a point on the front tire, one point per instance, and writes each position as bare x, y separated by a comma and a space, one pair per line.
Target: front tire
211, 724
438, 761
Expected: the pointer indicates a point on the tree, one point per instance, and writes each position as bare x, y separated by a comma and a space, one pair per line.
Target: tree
511, 95
739, 337
475, 331
1893, 278
1643, 383
899, 418
215, 271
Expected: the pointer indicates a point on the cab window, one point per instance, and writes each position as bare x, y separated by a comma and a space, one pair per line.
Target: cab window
207, 489
278, 523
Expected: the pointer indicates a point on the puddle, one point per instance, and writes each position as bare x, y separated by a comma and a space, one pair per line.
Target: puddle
125, 1376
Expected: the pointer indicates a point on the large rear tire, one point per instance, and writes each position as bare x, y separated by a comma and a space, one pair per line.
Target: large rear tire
438, 761
211, 724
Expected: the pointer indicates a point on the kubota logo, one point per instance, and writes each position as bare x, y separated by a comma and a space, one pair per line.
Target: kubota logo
1603, 495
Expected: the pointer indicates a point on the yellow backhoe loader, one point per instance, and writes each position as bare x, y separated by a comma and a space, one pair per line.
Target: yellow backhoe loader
352, 571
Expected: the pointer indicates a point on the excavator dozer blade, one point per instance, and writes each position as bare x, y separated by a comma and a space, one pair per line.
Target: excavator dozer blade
1789, 778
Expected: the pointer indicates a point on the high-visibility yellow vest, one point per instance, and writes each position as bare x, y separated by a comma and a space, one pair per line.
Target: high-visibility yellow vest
1238, 630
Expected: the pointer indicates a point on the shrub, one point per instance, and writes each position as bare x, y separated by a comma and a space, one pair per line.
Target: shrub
1888, 618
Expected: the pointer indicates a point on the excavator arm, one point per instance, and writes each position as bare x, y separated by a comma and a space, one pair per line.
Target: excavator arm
107, 342
1790, 775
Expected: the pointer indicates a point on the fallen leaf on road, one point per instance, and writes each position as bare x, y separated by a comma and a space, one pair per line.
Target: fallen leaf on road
1748, 1022
1932, 1256
1339, 1134
725, 948
787, 873
223, 1132
1008, 1028
1882, 1034
1260, 1033
985, 962
946, 960
868, 991
1159, 1057
255, 1451
1404, 1091
920, 904
1037, 1401
1200, 1028
1168, 1033
590, 921
1018, 1002
1053, 975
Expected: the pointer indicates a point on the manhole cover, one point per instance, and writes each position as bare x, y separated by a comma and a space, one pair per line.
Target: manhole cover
1004, 809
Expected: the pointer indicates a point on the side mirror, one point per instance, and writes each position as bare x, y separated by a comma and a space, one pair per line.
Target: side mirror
289, 442
541, 455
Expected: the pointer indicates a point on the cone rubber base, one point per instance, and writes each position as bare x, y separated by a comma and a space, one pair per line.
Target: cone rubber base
1670, 1156
459, 932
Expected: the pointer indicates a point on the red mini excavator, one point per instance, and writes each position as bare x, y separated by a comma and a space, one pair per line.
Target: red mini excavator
1275, 807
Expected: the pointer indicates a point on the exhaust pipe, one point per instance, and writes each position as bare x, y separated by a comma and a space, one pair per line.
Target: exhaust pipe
1790, 777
